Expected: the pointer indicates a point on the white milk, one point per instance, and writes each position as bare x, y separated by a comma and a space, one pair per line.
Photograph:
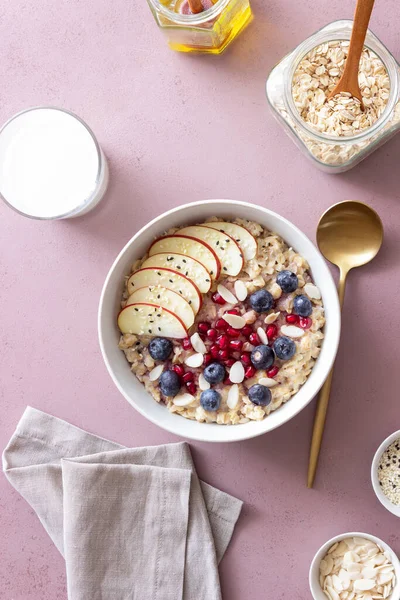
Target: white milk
50, 164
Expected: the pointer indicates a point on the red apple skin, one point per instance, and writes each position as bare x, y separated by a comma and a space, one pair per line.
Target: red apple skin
255, 241
177, 273
184, 256
188, 237
155, 306
230, 237
172, 292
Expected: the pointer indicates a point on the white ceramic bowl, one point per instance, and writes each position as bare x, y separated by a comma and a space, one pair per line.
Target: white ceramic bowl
116, 362
374, 474
315, 587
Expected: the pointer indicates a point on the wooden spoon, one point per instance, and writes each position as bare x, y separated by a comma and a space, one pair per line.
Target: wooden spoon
349, 79
349, 235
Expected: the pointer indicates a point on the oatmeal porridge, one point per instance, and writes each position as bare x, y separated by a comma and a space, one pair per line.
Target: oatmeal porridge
221, 321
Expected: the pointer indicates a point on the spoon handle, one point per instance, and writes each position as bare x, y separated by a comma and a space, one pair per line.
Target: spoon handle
322, 406
360, 26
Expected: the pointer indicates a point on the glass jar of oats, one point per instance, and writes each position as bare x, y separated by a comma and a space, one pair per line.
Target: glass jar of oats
336, 134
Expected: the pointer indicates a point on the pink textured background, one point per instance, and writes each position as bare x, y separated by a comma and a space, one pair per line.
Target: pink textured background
179, 128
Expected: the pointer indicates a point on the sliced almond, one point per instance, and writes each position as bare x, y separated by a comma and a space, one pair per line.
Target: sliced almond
268, 382
194, 360
262, 335
198, 343
226, 294
332, 593
364, 584
233, 396
203, 384
271, 318
240, 290
235, 321
337, 584
236, 374
183, 400
292, 331
384, 578
156, 372
312, 291
326, 565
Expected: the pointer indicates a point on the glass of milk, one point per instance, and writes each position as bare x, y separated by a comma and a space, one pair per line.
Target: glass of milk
51, 165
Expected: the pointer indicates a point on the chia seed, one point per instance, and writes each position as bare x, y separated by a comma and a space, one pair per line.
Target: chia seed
389, 473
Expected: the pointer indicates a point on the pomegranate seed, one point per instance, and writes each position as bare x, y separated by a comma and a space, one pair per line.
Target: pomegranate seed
227, 381
188, 377
203, 326
250, 372
246, 331
212, 334
245, 358
233, 333
191, 388
186, 343
233, 311
230, 362
214, 351
223, 341
305, 322
272, 371
292, 319
254, 339
235, 345
179, 370
207, 358
223, 354
221, 324
217, 298
272, 332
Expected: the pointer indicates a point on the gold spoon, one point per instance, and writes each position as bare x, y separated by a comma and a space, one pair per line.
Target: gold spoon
349, 79
349, 235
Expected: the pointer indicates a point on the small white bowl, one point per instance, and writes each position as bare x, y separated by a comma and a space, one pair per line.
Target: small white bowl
315, 587
374, 474
119, 368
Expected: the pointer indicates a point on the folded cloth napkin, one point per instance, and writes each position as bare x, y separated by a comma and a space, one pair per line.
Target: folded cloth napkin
131, 523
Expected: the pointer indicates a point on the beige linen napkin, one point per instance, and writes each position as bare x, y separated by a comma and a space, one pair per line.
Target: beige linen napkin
131, 523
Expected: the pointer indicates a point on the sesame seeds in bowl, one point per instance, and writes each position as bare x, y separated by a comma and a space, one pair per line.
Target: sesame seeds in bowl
385, 473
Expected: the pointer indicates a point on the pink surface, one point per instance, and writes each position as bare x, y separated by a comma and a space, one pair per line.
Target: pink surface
180, 128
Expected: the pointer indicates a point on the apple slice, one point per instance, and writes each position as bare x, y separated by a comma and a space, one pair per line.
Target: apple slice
224, 246
190, 267
161, 296
189, 246
169, 279
246, 242
148, 319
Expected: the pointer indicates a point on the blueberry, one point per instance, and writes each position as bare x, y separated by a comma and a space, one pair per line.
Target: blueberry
287, 281
214, 372
302, 306
284, 348
261, 301
260, 395
262, 357
170, 383
160, 348
210, 399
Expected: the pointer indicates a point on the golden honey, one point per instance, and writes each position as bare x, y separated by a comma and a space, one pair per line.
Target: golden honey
210, 31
